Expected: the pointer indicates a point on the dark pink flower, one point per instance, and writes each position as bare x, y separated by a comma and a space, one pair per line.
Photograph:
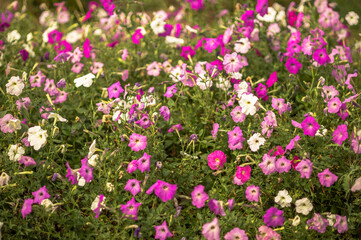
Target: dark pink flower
170, 91
115, 90
71, 175
143, 163
187, 52
27, 161
216, 160
63, 46
162, 232
133, 186
165, 191
132, 166
262, 7
137, 36
54, 36
321, 56
86, 171
87, 48
243, 173
177, 127
293, 65
216, 207
310, 126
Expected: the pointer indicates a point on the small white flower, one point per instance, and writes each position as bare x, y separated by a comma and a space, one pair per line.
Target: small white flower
158, 26
223, 84
269, 17
120, 116
37, 137
86, 80
248, 103
4, 179
73, 36
15, 152
296, 221
48, 205
81, 180
110, 187
255, 141
352, 18
242, 45
57, 117
93, 160
173, 41
283, 199
204, 82
176, 73
15, 124
304, 206
321, 132
13, 36
238, 76
15, 86
96, 202
92, 148
331, 219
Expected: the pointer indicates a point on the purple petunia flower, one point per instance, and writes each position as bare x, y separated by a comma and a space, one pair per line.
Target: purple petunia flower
318, 223
40, 195
71, 175
27, 207
130, 209
341, 224
133, 186
165, 191
293, 65
216, 207
273, 217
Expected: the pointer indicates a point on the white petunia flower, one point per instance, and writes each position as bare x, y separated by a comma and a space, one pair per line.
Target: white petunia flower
4, 179
92, 148
238, 76
110, 187
357, 185
352, 18
13, 36
283, 199
74, 36
242, 45
269, 17
304, 206
96, 202
173, 41
158, 26
15, 124
86, 80
255, 141
15, 152
48, 205
176, 73
81, 180
57, 117
248, 103
296, 221
120, 116
37, 137
93, 160
15, 86
204, 82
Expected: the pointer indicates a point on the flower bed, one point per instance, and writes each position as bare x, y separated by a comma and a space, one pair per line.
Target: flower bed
191, 122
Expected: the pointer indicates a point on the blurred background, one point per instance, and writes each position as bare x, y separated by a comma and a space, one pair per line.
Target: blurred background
343, 6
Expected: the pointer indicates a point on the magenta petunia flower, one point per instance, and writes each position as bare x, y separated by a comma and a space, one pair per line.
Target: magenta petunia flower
143, 163
211, 230
321, 56
71, 174
244, 173
273, 217
318, 223
261, 91
216, 207
199, 197
165, 191
177, 127
137, 142
54, 36
211, 44
292, 143
327, 178
170, 91
252, 193
293, 65
133, 186
27, 161
268, 165
164, 112
27, 207
37, 80
272, 79
262, 7
87, 48
235, 139
137, 36
216, 160
236, 233
63, 46
310, 126
283, 165
187, 52
144, 121
162, 232
132, 166
40, 195
86, 171
130, 209
237, 114
305, 168
341, 224
340, 134
248, 18
115, 90
215, 131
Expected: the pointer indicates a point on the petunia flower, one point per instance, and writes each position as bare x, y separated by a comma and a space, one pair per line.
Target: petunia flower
327, 178
199, 197
130, 210
40, 195
211, 230
162, 232
137, 142
165, 191
133, 186
273, 217
27, 207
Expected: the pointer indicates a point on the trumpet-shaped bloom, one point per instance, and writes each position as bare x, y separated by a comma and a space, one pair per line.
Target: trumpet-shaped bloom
327, 178
130, 209
133, 186
162, 232
40, 195
216, 160
137, 142
165, 191
211, 230
199, 197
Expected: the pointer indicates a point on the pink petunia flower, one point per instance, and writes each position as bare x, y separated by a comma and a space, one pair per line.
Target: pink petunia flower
27, 161
215, 131
283, 165
137, 36
162, 232
310, 126
137, 142
86, 171
27, 207
211, 230
87, 48
165, 112
199, 197
340, 134
40, 195
268, 165
341, 224
305, 168
273, 217
293, 65
153, 69
252, 193
244, 173
236, 233
165, 191
318, 223
170, 91
216, 160
133, 186
130, 209
327, 178
216, 207
143, 163
115, 90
